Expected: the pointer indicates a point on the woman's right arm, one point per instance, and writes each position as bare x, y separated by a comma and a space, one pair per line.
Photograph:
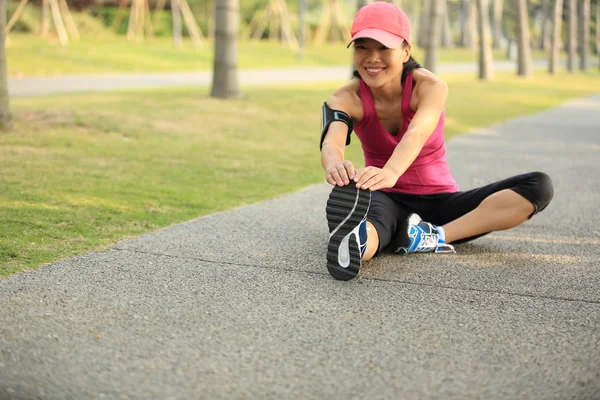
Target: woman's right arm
338, 171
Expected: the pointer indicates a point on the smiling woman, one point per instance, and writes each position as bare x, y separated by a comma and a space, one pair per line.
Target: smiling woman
397, 108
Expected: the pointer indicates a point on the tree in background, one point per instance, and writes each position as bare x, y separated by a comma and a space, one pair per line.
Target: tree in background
497, 23
468, 23
177, 29
598, 27
424, 23
5, 117
555, 36
524, 62
584, 34
544, 31
572, 35
225, 69
486, 62
435, 35
447, 34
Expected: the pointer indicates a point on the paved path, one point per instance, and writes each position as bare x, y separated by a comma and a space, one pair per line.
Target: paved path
239, 304
69, 84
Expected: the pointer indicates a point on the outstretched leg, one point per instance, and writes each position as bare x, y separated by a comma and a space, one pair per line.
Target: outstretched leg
499, 211
499, 206
463, 216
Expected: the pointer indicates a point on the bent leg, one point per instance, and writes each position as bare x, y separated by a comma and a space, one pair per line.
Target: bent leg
498, 206
383, 219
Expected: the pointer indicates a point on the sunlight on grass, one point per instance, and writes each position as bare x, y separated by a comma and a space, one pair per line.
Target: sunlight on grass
80, 172
30, 55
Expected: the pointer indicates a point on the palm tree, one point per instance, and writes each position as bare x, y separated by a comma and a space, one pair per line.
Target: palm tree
572, 37
584, 34
424, 26
225, 69
435, 34
497, 23
486, 63
5, 116
544, 34
468, 22
555, 38
598, 27
524, 63
176, 14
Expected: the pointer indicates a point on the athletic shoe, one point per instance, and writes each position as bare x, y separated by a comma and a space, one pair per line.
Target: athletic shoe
347, 208
418, 236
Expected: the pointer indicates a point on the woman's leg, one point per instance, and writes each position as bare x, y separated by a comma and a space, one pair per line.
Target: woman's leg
502, 205
383, 219
502, 210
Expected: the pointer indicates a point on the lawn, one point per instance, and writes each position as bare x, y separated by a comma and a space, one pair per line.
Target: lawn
30, 55
80, 172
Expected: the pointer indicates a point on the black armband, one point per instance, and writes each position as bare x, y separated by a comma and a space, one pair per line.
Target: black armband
328, 117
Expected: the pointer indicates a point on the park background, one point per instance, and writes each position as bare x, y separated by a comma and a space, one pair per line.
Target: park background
81, 171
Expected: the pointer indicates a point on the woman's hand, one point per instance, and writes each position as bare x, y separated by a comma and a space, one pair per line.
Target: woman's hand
373, 178
341, 173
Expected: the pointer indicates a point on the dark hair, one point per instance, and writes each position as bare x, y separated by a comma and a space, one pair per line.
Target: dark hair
407, 67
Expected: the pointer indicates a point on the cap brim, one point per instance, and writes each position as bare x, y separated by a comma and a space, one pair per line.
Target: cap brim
387, 39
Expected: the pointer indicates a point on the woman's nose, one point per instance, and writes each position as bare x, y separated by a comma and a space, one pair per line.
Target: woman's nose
373, 55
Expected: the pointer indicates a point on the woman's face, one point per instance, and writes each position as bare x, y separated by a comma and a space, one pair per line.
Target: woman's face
377, 64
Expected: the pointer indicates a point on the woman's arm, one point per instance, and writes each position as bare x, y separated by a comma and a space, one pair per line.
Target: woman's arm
338, 171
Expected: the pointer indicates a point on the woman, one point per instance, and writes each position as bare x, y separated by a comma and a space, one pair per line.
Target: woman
405, 198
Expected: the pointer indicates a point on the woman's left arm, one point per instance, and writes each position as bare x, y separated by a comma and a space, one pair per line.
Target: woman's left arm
432, 94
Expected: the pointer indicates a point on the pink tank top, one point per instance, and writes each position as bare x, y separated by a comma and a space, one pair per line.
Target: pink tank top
429, 173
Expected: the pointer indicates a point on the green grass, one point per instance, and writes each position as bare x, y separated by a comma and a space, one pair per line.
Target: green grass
80, 172
30, 55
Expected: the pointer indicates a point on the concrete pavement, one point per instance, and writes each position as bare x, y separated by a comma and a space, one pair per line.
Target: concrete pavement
239, 304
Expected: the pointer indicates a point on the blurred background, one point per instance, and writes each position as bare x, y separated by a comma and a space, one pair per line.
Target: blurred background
49, 37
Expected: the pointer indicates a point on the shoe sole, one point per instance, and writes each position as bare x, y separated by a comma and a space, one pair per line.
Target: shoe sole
346, 208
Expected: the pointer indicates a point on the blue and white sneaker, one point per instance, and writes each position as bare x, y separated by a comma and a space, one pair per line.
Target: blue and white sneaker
346, 211
418, 236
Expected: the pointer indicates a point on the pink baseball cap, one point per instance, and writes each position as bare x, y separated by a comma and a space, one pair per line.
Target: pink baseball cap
383, 22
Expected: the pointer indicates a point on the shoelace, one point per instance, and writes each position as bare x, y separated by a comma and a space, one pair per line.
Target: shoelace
428, 242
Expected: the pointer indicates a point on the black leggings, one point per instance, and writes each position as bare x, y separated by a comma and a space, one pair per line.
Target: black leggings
388, 210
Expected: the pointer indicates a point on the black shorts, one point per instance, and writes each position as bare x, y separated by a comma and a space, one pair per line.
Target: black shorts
389, 210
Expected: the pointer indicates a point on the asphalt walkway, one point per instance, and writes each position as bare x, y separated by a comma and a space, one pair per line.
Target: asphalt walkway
87, 83
239, 305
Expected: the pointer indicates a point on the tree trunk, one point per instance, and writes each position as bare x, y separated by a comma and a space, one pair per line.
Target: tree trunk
555, 38
424, 27
486, 62
5, 116
468, 23
544, 34
598, 28
497, 23
447, 35
210, 19
176, 14
301, 28
584, 34
572, 37
524, 62
435, 33
225, 69
45, 25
